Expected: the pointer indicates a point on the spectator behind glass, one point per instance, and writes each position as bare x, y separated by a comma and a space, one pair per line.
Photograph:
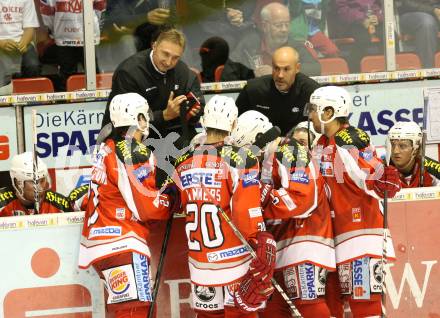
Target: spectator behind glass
64, 19
361, 20
420, 18
308, 23
256, 48
128, 26
20, 199
215, 52
204, 19
18, 20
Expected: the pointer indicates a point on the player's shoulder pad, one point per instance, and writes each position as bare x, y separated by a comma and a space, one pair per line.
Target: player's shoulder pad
79, 192
185, 156
352, 136
58, 200
7, 195
432, 167
293, 154
241, 158
131, 151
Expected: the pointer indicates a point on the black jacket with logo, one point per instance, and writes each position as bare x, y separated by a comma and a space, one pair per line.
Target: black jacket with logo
284, 110
138, 75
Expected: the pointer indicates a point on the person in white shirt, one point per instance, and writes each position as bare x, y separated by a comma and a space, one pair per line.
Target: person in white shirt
18, 21
64, 19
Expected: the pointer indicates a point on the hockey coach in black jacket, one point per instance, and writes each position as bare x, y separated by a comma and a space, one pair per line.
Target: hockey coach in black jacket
166, 83
282, 95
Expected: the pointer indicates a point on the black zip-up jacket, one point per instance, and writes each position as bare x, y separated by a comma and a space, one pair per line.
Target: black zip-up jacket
284, 110
138, 75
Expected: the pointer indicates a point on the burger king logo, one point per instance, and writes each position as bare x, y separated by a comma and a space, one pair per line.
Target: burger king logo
118, 281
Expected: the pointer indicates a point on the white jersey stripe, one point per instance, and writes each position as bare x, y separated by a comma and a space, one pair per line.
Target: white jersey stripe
307, 251
217, 277
363, 245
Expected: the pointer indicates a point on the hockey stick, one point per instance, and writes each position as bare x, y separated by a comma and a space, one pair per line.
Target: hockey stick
385, 233
423, 145
35, 162
163, 250
261, 142
293, 310
105, 131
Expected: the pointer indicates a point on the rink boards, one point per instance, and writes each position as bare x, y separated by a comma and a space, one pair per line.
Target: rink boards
40, 277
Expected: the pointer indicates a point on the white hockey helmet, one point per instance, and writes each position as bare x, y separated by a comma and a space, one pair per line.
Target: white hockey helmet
126, 108
304, 125
249, 125
220, 113
406, 130
331, 96
22, 169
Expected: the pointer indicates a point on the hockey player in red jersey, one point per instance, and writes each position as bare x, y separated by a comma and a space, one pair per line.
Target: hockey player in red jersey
21, 199
297, 213
123, 198
79, 197
226, 282
404, 143
357, 179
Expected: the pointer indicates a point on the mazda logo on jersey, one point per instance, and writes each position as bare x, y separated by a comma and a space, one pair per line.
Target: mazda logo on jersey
227, 253
204, 293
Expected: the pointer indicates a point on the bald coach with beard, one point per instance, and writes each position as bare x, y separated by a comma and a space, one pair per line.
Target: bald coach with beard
282, 95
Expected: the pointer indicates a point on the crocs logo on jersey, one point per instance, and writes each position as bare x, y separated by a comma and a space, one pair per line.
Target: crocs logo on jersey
377, 271
118, 281
204, 293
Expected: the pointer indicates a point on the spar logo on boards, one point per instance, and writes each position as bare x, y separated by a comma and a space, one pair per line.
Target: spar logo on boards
4, 147
65, 131
118, 281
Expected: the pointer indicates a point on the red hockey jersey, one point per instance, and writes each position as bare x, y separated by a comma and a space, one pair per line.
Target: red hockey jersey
349, 166
123, 196
431, 175
53, 202
299, 214
79, 197
225, 176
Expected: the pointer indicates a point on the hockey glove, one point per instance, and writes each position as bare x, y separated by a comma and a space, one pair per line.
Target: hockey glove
174, 198
389, 181
263, 266
265, 194
252, 293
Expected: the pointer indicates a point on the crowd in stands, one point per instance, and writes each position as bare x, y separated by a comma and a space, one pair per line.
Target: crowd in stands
45, 37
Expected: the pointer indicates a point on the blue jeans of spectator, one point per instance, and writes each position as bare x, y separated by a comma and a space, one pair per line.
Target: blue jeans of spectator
424, 27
